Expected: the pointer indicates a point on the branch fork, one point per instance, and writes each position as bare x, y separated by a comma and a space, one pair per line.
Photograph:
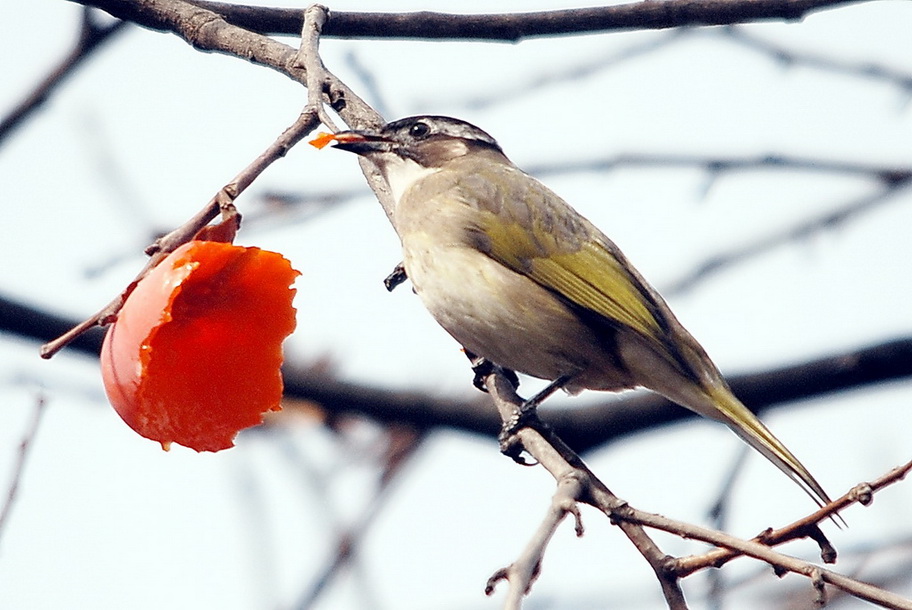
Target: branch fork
576, 483
223, 201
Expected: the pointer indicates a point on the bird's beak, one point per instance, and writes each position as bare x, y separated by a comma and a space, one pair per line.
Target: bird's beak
358, 142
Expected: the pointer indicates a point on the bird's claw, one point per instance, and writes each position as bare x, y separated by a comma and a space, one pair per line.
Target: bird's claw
395, 278
526, 416
482, 367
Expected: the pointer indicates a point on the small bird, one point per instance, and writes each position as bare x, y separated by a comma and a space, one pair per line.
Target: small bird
519, 277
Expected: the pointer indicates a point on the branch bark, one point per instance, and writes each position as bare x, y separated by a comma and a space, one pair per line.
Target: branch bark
513, 27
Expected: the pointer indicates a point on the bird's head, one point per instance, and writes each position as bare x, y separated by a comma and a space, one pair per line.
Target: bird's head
413, 148
429, 141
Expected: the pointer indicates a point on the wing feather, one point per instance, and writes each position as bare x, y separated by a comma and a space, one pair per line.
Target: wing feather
532, 231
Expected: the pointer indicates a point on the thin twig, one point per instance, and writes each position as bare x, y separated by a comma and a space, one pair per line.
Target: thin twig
92, 35
827, 221
887, 175
520, 574
347, 541
308, 58
790, 57
560, 75
861, 494
758, 550
225, 197
25, 446
557, 458
166, 244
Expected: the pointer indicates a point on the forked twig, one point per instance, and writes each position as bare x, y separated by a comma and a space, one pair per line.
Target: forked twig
564, 465
223, 200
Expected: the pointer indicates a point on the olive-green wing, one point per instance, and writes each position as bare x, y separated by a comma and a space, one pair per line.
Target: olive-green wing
532, 231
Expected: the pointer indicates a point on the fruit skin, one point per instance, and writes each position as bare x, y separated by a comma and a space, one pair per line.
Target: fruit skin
196, 351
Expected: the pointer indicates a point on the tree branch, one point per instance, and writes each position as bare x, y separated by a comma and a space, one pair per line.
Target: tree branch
564, 465
861, 493
223, 201
575, 483
584, 428
91, 37
513, 27
207, 31
790, 57
25, 447
830, 219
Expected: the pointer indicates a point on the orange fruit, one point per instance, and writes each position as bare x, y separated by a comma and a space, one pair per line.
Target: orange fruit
196, 351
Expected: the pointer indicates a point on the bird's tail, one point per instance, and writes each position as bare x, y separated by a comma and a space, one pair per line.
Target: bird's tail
692, 381
732, 412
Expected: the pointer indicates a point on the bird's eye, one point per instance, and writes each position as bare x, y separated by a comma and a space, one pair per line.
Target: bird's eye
419, 130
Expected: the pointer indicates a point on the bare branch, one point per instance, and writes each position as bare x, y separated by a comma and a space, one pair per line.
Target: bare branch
593, 64
513, 27
861, 494
522, 573
583, 427
887, 175
564, 75
828, 220
789, 57
564, 465
92, 35
206, 30
404, 443
760, 550
28, 439
223, 201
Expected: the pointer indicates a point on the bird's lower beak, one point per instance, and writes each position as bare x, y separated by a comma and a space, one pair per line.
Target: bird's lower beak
360, 142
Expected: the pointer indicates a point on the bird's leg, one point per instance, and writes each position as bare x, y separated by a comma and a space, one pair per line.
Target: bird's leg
532, 403
395, 278
526, 416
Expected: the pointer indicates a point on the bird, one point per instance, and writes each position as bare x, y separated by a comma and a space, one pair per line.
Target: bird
520, 278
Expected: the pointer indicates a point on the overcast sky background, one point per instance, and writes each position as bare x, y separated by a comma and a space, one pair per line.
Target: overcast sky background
149, 129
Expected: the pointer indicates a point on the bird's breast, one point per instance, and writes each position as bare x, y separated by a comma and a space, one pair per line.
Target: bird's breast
502, 315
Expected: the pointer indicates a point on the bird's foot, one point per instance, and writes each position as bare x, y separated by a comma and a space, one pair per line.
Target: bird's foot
482, 367
395, 278
510, 443
526, 416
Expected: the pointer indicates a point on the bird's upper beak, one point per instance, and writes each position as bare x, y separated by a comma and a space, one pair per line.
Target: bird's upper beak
358, 142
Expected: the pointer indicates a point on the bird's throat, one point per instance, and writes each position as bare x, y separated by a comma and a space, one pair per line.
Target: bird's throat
402, 174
